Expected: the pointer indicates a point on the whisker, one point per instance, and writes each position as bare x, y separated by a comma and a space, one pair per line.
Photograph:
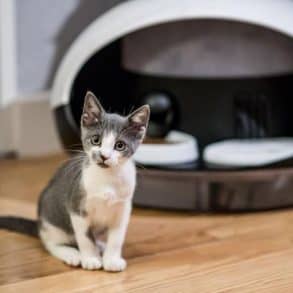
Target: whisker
76, 161
131, 109
77, 145
73, 150
140, 166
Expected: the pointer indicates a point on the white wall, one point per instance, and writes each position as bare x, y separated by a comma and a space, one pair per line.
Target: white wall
45, 30
7, 52
34, 36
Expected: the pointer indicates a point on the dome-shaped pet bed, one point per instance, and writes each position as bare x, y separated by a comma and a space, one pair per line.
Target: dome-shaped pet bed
93, 62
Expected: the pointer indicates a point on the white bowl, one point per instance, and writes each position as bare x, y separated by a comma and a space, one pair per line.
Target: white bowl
182, 148
235, 153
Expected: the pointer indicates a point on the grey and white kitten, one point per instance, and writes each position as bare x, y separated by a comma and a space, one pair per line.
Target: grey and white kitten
90, 197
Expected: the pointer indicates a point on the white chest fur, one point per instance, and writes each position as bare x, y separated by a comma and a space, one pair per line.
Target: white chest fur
108, 192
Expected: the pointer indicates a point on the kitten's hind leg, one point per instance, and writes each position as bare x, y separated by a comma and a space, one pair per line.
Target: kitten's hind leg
67, 254
57, 242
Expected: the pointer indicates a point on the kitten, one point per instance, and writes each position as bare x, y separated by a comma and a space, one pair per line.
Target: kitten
91, 195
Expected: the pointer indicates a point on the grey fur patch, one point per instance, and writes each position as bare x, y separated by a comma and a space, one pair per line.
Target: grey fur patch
63, 195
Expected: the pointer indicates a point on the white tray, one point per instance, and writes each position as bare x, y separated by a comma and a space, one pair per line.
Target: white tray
235, 153
182, 149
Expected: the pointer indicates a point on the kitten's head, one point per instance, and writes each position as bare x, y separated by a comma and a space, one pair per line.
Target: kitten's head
110, 139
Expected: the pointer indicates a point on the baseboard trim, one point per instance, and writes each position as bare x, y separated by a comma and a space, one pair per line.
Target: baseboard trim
31, 131
8, 155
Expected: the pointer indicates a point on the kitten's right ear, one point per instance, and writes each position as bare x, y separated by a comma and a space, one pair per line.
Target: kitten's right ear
92, 110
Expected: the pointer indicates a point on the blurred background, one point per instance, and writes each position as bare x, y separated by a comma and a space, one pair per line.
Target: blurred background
194, 60
34, 37
218, 79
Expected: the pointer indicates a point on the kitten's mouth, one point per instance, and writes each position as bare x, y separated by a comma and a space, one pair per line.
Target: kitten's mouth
103, 165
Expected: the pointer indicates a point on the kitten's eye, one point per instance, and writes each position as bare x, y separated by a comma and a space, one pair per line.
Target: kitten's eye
120, 146
95, 139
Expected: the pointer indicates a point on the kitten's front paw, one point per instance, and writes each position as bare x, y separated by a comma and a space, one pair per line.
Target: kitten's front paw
114, 264
91, 263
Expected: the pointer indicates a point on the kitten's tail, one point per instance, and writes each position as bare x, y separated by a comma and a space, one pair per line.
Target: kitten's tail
20, 225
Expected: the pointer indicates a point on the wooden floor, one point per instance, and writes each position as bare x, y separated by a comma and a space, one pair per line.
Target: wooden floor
166, 251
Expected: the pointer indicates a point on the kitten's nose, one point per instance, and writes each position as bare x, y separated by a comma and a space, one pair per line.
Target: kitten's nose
103, 157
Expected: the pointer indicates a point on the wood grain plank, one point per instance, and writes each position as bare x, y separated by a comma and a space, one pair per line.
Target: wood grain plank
221, 265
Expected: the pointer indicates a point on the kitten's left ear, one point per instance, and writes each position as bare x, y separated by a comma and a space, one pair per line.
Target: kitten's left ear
92, 110
140, 118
